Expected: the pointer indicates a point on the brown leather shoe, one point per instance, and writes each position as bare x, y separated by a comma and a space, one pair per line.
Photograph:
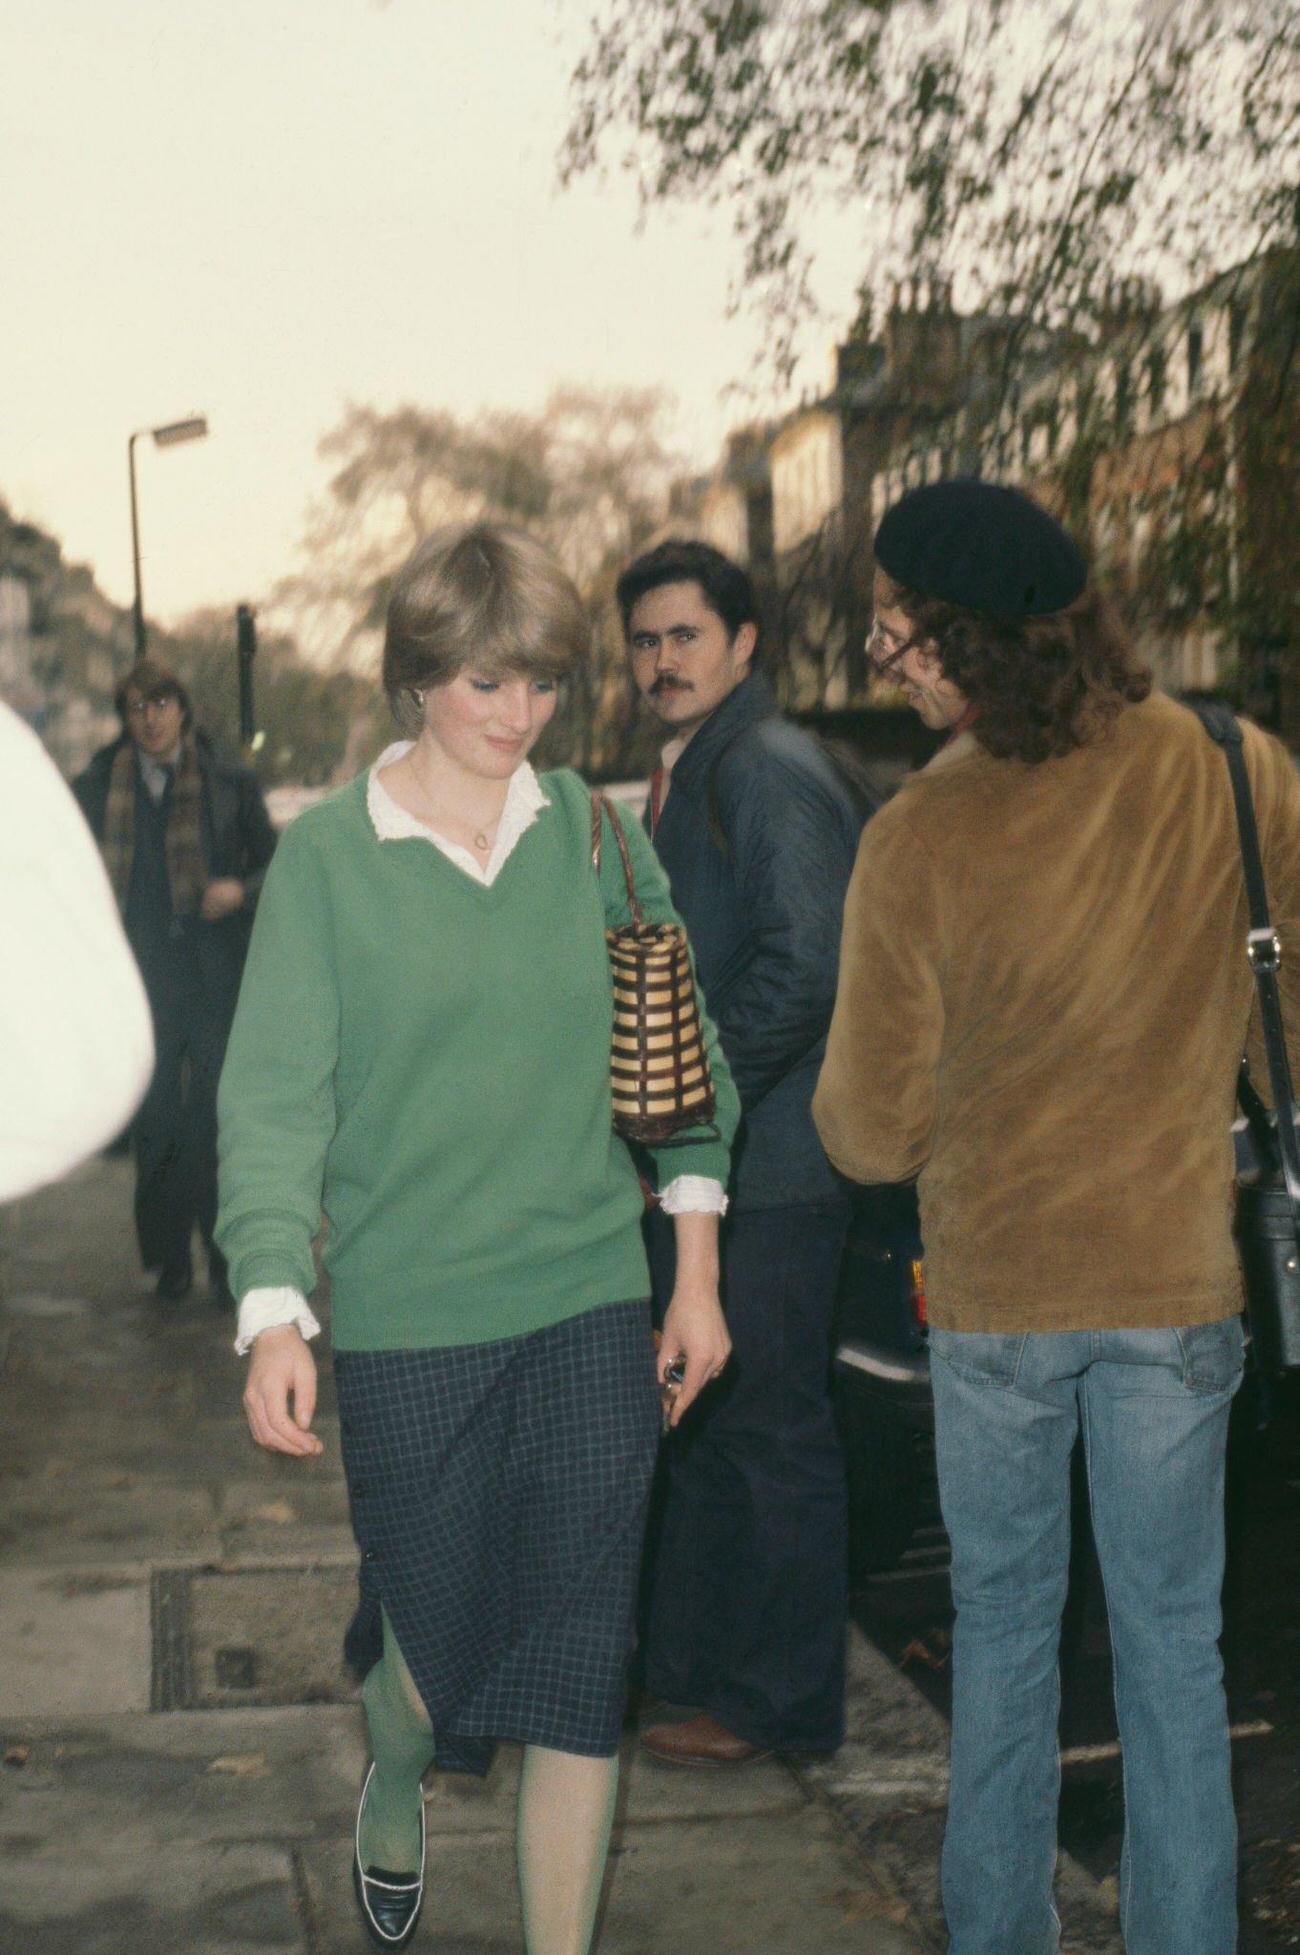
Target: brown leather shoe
699, 1740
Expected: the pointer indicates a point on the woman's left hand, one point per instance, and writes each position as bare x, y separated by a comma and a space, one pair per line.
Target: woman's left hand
694, 1329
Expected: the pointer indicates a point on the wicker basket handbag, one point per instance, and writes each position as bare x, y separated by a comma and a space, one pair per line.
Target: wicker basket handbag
659, 1070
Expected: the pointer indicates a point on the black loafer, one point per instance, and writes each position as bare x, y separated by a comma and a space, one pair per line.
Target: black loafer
175, 1281
390, 1903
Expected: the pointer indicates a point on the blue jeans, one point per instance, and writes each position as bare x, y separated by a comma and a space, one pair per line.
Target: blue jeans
1153, 1407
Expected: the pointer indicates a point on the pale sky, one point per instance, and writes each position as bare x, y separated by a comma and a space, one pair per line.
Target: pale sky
260, 209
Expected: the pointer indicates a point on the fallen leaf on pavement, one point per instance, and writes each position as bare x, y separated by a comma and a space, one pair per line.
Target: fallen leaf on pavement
860, 1904
918, 1651
242, 1765
277, 1512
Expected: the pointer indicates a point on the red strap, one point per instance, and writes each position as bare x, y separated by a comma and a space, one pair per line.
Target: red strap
656, 798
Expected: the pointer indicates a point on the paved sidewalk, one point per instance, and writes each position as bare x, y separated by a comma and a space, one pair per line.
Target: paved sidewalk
158, 1576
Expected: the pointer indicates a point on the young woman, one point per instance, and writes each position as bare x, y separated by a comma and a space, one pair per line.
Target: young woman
422, 1049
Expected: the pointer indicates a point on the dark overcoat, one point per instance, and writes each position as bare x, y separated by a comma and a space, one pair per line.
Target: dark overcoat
758, 835
237, 839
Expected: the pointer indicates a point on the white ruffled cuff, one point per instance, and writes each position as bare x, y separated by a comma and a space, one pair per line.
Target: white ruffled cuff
264, 1309
694, 1194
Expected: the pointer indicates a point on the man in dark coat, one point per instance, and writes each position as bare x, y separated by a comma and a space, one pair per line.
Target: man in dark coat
186, 838
746, 1584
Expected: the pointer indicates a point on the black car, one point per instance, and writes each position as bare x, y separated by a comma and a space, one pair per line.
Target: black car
881, 1380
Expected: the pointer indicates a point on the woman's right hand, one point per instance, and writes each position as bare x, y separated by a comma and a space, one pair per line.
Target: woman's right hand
281, 1372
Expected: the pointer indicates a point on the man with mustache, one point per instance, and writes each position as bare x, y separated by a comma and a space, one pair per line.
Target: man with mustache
746, 1581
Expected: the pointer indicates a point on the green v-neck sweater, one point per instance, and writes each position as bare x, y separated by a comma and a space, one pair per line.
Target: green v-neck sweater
426, 1060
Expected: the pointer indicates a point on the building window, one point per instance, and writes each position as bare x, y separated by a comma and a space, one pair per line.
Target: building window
1157, 380
1104, 529
1123, 397
1236, 333
1195, 351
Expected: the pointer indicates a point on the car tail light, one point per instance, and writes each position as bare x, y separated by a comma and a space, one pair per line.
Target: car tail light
917, 1289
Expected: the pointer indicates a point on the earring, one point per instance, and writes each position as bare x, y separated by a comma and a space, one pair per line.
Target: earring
418, 697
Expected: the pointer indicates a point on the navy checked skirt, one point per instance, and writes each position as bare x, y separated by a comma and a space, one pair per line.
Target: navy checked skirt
498, 1495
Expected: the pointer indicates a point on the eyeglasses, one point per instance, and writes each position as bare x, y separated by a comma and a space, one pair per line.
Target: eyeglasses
137, 708
878, 636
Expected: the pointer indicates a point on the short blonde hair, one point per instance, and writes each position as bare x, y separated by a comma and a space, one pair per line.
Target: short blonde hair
484, 595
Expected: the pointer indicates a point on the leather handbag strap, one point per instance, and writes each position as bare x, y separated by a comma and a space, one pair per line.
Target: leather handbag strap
600, 806
1263, 946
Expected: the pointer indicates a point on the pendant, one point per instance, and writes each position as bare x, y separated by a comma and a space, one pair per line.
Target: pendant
481, 841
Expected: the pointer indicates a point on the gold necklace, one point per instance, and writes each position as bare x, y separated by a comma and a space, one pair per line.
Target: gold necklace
482, 837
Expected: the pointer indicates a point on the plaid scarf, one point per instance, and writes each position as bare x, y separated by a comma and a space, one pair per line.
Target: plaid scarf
187, 874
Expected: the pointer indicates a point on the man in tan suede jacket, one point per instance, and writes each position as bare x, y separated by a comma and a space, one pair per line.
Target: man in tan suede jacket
1043, 1000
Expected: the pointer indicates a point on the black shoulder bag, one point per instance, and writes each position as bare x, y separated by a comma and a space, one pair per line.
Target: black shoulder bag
1268, 1214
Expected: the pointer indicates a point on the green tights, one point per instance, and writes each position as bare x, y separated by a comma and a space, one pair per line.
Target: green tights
566, 1810
401, 1739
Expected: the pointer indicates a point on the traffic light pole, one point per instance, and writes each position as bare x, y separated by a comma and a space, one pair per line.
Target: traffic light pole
246, 632
137, 602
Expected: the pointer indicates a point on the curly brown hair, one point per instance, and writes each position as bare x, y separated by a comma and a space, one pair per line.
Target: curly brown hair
1039, 687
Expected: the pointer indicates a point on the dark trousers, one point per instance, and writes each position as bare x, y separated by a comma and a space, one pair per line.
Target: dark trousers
175, 1131
745, 1595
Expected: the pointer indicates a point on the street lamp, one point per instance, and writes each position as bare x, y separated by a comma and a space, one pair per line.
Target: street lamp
169, 435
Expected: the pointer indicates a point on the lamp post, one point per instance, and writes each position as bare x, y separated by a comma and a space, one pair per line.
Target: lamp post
167, 436
246, 640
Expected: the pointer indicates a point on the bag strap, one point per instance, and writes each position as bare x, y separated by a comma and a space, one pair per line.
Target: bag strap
1258, 1119
601, 806
1263, 948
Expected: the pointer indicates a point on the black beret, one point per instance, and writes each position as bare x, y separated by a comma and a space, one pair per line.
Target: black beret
982, 546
